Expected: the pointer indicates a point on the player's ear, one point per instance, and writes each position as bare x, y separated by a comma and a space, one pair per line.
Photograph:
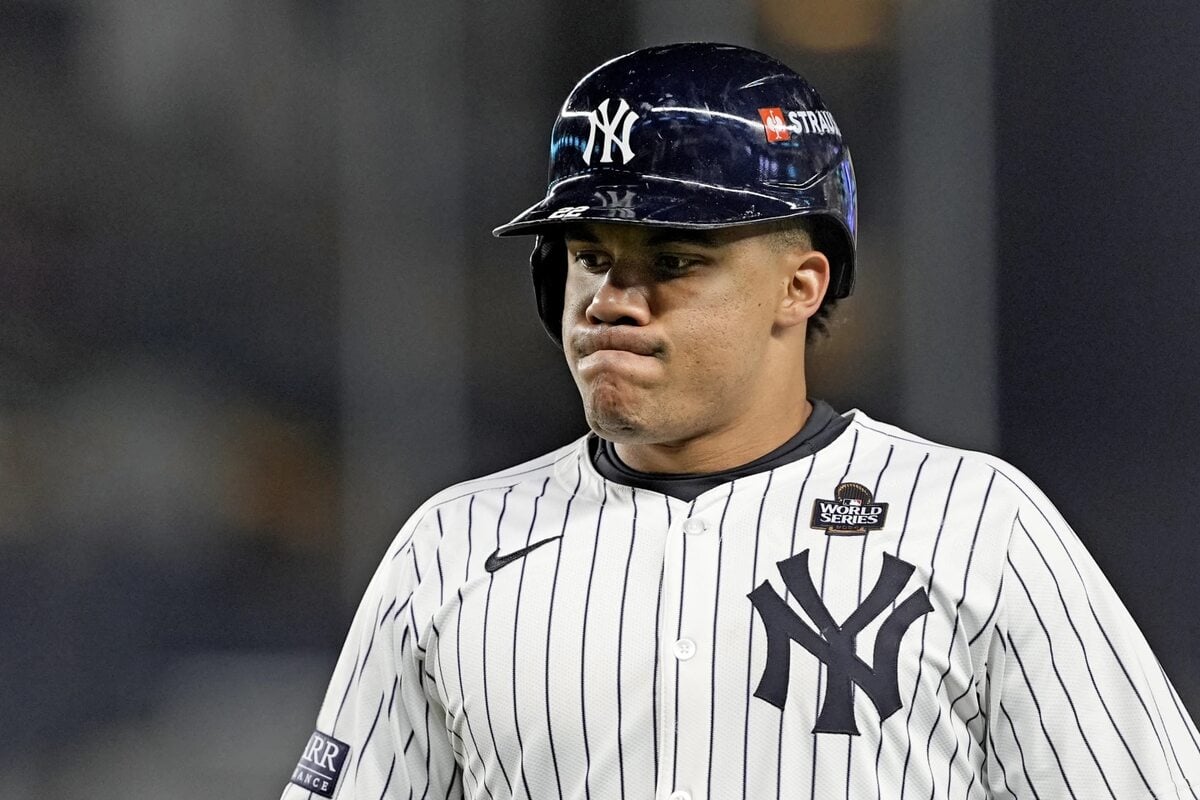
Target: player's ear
807, 275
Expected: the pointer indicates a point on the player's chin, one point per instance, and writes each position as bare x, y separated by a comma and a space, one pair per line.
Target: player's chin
614, 410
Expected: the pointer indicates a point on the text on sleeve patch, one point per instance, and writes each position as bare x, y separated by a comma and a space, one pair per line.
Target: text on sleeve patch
321, 765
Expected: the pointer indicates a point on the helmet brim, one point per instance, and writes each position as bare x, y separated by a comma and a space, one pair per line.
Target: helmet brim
623, 197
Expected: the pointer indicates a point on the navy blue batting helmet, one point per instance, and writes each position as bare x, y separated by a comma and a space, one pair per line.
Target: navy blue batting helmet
696, 135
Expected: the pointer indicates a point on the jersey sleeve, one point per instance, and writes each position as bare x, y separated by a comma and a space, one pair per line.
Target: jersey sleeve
1078, 705
379, 733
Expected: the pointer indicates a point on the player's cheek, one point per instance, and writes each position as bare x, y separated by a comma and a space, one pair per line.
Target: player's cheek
577, 294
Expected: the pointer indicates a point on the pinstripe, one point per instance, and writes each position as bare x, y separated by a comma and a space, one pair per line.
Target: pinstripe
908, 506
587, 752
712, 709
1083, 650
1170, 744
401, 547
550, 628
954, 626
957, 742
428, 753
388, 782
928, 744
412, 620
991, 614
487, 607
678, 633
621, 643
441, 578
403, 640
345, 694
367, 742
1158, 711
654, 710
820, 665
370, 644
1183, 716
925, 629
912, 492
821, 592
971, 785
384, 614
403, 607
455, 778
515, 650
470, 531
1066, 692
1041, 720
1020, 753
786, 591
1112, 648
862, 562
995, 754
458, 649
412, 551
1183, 719
462, 755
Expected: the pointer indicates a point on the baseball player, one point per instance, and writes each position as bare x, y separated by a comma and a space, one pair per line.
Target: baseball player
726, 589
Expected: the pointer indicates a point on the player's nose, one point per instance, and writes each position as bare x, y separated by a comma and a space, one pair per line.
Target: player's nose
618, 302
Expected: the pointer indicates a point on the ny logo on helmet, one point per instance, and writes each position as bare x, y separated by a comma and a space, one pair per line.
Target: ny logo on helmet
619, 206
615, 129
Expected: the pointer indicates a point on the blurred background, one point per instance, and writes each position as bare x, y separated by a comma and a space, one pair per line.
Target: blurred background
251, 315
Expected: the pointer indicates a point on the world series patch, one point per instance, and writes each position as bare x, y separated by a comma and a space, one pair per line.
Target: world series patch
853, 511
321, 765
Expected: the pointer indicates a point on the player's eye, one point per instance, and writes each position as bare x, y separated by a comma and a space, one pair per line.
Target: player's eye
590, 260
672, 265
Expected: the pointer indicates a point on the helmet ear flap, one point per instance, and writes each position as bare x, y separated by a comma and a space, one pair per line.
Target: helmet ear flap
831, 238
548, 263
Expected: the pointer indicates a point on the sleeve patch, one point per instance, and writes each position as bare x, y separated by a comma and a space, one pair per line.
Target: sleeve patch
321, 765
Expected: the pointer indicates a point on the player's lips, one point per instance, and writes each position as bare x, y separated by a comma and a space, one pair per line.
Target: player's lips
588, 342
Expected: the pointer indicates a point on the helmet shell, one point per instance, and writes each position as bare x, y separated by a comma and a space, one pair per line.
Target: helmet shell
695, 135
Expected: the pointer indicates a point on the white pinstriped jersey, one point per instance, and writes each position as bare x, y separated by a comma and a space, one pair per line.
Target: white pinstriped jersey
627, 659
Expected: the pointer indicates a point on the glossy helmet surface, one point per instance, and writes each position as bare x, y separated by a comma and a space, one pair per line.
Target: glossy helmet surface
697, 135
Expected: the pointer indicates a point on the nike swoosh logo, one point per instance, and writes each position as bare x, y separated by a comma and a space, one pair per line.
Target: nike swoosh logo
495, 561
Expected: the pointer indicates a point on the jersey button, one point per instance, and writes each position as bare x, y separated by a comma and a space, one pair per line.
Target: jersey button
680, 795
694, 525
684, 649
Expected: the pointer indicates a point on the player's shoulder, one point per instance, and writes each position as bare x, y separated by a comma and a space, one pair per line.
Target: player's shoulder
1004, 477
527, 474
487, 495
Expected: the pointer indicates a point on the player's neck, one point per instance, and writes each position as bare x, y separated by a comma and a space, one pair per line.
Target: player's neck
741, 442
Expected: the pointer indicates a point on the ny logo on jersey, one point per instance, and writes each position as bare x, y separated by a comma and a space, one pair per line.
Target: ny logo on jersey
834, 645
615, 129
